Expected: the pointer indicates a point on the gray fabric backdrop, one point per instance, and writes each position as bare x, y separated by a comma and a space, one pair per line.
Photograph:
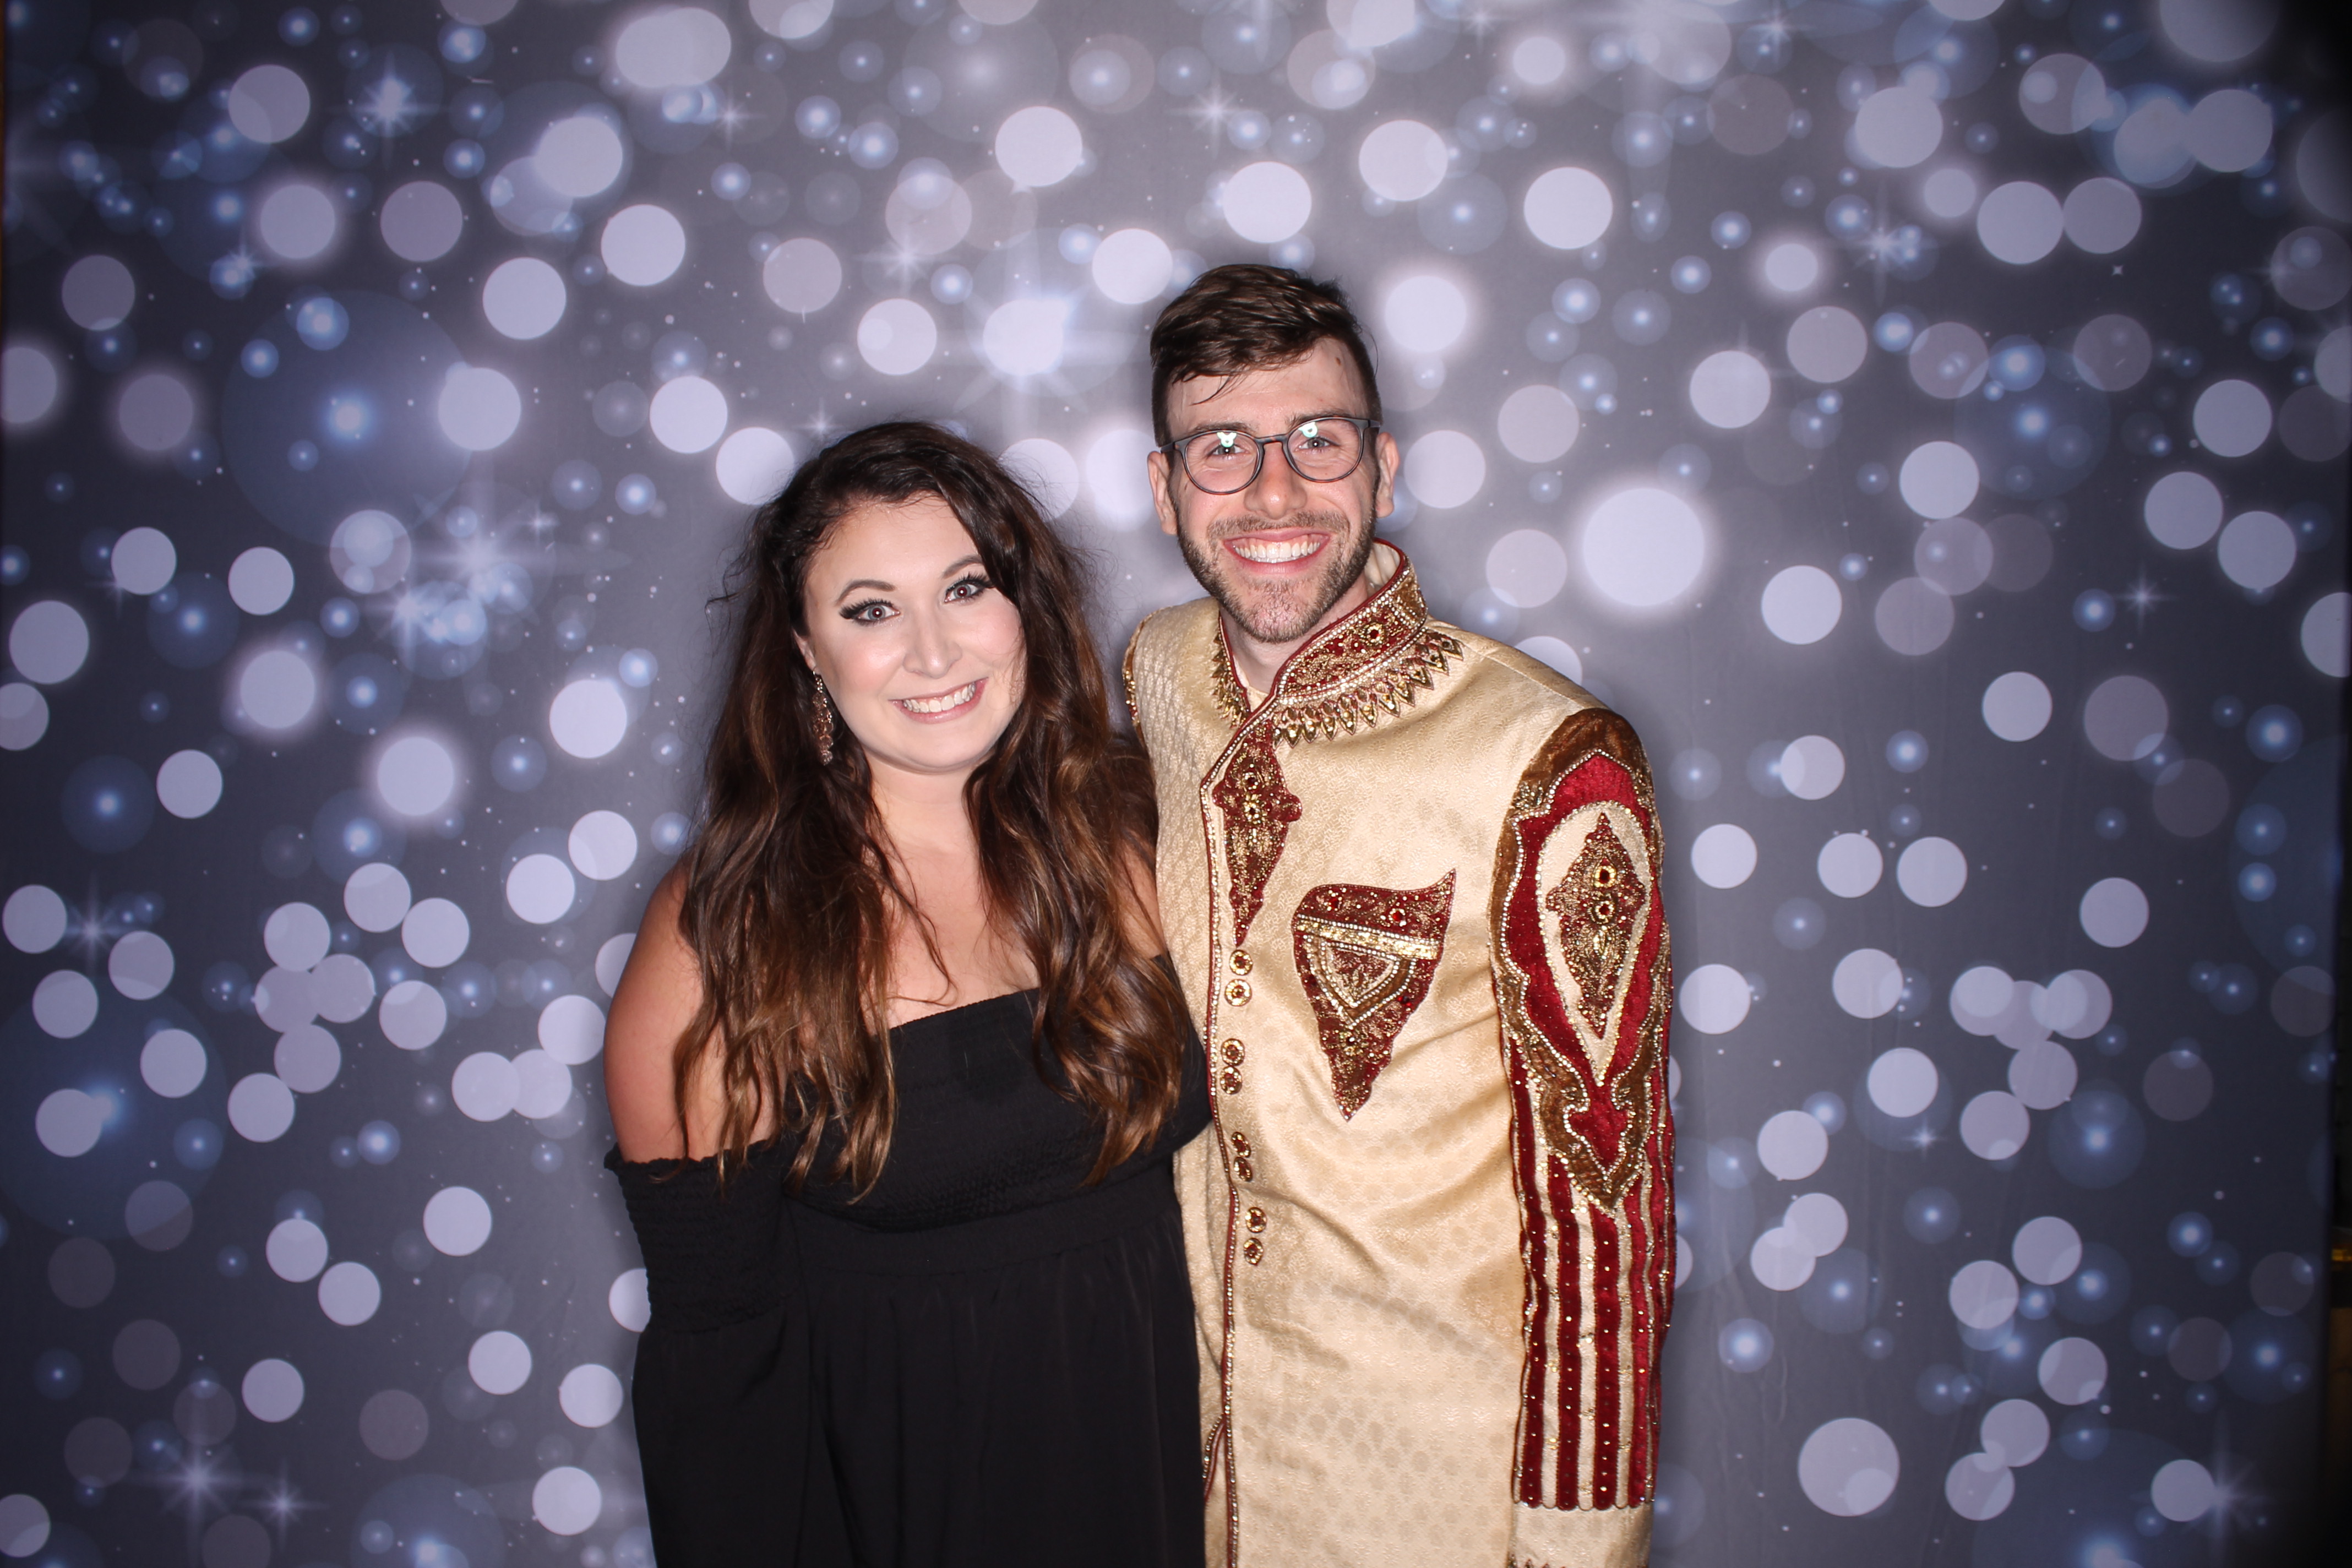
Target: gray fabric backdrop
1926, 422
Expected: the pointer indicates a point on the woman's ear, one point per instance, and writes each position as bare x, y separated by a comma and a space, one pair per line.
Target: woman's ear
808, 653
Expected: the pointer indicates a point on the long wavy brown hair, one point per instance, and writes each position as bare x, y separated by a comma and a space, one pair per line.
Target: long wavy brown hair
790, 893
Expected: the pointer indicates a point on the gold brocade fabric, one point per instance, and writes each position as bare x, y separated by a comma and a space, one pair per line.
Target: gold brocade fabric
1431, 1238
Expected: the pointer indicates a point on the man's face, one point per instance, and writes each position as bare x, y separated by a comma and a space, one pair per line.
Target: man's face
1284, 555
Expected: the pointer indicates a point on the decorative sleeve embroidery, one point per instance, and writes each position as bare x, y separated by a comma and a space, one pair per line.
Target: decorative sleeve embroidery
1584, 986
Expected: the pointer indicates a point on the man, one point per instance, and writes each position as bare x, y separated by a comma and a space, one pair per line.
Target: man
1410, 880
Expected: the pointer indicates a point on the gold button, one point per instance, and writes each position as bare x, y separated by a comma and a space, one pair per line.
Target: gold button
1237, 993
1239, 961
1253, 1252
1241, 1143
1232, 1049
1232, 1081
1256, 1221
1244, 1169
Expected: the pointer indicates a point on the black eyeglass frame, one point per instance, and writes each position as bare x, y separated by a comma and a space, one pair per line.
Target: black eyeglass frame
1369, 427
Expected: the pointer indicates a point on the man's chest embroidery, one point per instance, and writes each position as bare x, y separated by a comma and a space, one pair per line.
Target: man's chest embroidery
1258, 810
1366, 956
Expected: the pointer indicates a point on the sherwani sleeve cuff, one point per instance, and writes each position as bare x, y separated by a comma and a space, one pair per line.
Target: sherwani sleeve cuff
1579, 1537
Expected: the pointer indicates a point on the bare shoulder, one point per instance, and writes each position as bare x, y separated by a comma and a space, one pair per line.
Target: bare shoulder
659, 994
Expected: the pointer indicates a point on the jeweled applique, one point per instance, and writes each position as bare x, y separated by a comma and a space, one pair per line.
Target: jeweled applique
1595, 1100
1258, 810
1379, 659
1366, 956
1597, 902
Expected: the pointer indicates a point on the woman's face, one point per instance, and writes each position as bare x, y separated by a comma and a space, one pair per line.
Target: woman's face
920, 653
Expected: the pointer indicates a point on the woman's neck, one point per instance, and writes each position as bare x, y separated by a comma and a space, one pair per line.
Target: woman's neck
923, 812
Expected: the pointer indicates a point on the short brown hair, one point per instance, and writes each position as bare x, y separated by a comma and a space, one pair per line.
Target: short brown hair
1246, 317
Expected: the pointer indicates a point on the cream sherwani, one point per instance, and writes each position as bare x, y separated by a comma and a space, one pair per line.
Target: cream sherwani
1412, 895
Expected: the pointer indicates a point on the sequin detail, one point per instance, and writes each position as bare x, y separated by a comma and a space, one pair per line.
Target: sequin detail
1258, 810
1598, 903
1598, 1137
1366, 956
1376, 660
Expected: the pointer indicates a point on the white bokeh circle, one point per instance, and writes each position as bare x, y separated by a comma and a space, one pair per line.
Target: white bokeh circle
1643, 547
644, 245
2017, 706
1039, 146
1266, 203
1730, 389
1848, 1467
1903, 1082
1802, 605
1568, 208
1931, 871
1723, 856
1715, 999
1867, 983
1403, 160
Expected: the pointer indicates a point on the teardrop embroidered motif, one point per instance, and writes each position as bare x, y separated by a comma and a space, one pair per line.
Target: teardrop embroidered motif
1597, 902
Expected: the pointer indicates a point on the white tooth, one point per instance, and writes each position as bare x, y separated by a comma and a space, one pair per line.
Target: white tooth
941, 704
1273, 553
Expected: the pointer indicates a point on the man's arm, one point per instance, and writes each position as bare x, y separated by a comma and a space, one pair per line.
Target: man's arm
1585, 985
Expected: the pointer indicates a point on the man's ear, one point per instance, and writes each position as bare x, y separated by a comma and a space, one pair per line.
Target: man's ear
1164, 498
1385, 460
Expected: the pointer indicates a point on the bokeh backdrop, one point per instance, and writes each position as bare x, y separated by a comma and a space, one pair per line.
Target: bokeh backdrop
1926, 421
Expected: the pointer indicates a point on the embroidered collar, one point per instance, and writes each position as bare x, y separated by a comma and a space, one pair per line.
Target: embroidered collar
1375, 659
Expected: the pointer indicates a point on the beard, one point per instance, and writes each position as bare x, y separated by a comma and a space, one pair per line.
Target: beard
1279, 613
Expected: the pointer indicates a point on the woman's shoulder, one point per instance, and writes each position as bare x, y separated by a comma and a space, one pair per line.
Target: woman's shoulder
658, 1000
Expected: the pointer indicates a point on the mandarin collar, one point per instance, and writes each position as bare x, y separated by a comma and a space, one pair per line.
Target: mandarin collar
1375, 659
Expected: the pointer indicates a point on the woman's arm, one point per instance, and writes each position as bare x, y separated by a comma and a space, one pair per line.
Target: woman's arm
1140, 915
659, 994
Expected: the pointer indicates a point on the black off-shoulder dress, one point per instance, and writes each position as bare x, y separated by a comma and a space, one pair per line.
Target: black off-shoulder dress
982, 1360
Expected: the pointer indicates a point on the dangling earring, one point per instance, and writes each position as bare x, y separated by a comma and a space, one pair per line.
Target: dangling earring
824, 720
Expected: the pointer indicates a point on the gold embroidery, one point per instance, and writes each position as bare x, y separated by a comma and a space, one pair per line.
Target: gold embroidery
1232, 701
1390, 942
1559, 1084
1258, 811
1561, 1095
1366, 956
1127, 680
1597, 902
1377, 659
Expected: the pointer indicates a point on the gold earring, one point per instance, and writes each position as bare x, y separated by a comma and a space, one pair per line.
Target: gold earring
824, 720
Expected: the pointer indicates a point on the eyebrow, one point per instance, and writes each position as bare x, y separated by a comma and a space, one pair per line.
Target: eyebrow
1295, 421
876, 583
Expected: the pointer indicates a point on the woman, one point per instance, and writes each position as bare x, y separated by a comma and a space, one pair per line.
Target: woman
896, 1068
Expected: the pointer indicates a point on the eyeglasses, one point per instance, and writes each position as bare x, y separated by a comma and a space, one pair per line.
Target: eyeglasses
1325, 449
